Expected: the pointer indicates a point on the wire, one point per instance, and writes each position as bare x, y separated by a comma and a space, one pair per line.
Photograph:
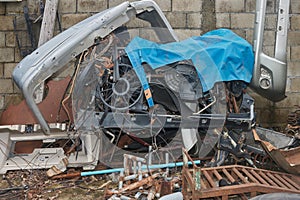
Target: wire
66, 90
72, 87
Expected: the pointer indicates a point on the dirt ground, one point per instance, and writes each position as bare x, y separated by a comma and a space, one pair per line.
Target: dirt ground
35, 185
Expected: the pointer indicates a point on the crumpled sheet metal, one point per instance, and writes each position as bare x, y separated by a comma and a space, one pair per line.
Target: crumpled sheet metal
288, 159
21, 113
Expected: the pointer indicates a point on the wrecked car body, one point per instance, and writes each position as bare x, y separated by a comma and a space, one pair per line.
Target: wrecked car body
107, 92
141, 90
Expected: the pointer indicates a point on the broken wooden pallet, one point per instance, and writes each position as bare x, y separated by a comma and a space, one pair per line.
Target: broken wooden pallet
239, 180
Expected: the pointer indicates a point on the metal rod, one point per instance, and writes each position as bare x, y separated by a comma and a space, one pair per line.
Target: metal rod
144, 167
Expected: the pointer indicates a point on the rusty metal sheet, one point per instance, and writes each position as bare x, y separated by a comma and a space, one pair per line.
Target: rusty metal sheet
288, 159
49, 107
277, 139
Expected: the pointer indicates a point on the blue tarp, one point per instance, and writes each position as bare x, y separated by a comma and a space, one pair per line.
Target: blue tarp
219, 55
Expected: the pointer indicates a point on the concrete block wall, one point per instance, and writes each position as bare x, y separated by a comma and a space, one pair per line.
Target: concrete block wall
238, 15
9, 56
188, 18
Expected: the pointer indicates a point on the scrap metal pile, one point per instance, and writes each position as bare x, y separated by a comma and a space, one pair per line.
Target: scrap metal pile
293, 122
139, 95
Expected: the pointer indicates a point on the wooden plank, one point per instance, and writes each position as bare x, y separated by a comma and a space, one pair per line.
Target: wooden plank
187, 184
209, 179
240, 175
46, 33
225, 197
278, 182
263, 175
250, 176
243, 197
189, 179
258, 177
203, 185
291, 182
216, 173
240, 189
284, 182
48, 23
227, 174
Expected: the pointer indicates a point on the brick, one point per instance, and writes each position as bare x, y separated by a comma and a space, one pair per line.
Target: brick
6, 23
1, 70
208, 12
8, 69
165, 5
20, 24
242, 20
1, 102
295, 53
269, 38
264, 117
240, 32
280, 115
249, 36
177, 19
293, 68
251, 4
148, 34
69, 20
2, 8
7, 54
295, 84
271, 21
223, 20
113, 3
230, 5
269, 50
67, 71
194, 20
292, 98
295, 22
186, 33
12, 99
187, 5
18, 56
137, 23
6, 85
16, 89
294, 38
33, 6
271, 6
295, 6
67, 6
260, 102
2, 39
261, 118
288, 85
91, 6
10, 39
15, 7
288, 55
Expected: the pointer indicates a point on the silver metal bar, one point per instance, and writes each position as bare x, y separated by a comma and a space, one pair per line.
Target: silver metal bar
269, 74
38, 136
